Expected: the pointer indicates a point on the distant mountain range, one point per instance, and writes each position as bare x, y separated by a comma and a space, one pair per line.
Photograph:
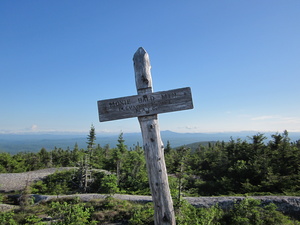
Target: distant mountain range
15, 143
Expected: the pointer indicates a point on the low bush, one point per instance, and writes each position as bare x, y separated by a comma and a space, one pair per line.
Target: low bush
73, 211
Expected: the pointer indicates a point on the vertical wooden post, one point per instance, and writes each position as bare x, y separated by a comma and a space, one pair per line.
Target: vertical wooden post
153, 146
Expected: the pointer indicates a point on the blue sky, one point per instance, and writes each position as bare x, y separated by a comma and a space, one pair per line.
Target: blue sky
240, 58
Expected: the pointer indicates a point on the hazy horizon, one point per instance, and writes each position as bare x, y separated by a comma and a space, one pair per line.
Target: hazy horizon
34, 142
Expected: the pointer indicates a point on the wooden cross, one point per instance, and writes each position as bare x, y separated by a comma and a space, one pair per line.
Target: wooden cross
146, 105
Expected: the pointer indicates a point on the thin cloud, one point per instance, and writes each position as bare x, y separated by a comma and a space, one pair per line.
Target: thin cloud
265, 117
34, 127
191, 127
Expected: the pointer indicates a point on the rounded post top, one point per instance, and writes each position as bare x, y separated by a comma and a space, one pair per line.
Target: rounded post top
142, 71
139, 52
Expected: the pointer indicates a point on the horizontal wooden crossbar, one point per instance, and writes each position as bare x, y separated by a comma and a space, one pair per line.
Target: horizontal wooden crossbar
145, 105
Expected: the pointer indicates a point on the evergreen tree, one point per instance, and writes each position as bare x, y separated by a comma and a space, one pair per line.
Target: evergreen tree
168, 148
182, 165
118, 154
91, 140
44, 158
121, 145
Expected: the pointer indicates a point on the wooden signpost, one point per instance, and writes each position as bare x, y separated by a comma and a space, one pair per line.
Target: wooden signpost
146, 105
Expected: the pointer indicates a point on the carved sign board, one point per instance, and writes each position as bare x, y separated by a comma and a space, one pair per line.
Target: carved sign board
145, 105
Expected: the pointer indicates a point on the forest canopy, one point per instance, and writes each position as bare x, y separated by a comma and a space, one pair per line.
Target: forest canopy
235, 167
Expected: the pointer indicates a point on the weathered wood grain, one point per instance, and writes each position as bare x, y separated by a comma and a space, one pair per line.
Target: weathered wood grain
142, 67
153, 146
157, 172
145, 104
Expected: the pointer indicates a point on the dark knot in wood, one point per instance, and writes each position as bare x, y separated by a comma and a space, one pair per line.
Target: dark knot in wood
144, 79
166, 218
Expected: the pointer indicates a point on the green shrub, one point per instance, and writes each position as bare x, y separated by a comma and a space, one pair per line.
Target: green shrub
55, 184
33, 219
143, 215
188, 214
6, 218
185, 215
109, 184
72, 214
249, 211
112, 210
